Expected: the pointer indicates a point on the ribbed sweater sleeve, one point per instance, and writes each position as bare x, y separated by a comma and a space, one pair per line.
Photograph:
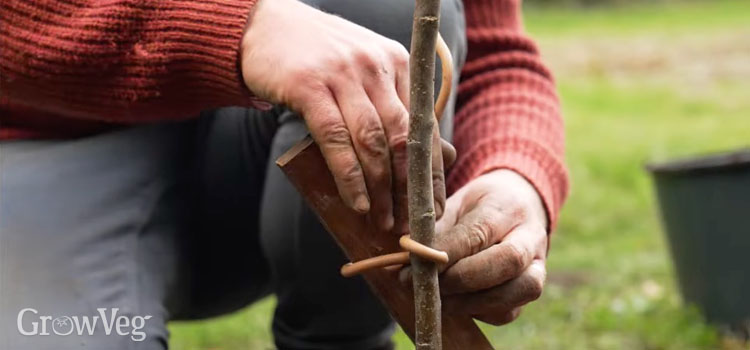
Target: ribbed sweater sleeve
122, 60
508, 113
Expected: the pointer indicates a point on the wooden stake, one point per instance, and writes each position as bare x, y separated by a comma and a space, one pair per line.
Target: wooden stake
361, 240
419, 149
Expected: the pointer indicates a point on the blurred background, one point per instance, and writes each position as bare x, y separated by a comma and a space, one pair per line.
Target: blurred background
639, 82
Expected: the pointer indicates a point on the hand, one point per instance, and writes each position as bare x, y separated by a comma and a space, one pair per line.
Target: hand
494, 230
351, 86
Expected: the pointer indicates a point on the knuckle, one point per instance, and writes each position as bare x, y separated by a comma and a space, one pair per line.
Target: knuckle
538, 229
397, 143
335, 133
342, 65
478, 234
307, 78
515, 259
534, 289
371, 138
438, 184
439, 207
517, 211
399, 116
369, 62
397, 122
460, 279
399, 55
378, 175
438, 180
400, 61
513, 315
350, 173
467, 243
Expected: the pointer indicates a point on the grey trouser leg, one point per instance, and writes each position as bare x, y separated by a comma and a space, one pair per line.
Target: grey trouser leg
87, 224
157, 221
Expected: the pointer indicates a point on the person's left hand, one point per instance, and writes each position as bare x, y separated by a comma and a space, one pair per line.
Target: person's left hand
494, 231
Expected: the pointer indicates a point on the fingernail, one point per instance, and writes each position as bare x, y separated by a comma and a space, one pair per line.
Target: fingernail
362, 204
449, 153
403, 229
388, 222
404, 276
394, 267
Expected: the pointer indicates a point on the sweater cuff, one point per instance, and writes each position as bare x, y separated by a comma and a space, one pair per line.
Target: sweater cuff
211, 42
541, 169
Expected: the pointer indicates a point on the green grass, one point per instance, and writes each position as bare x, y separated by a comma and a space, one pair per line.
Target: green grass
662, 17
609, 242
611, 283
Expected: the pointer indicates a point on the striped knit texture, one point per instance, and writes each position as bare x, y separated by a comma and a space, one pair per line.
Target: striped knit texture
71, 67
508, 112
120, 60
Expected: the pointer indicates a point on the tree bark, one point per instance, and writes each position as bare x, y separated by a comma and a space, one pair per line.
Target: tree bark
420, 190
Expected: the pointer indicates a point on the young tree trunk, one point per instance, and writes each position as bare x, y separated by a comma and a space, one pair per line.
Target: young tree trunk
420, 192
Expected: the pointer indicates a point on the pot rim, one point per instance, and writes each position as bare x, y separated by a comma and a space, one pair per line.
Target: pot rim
712, 162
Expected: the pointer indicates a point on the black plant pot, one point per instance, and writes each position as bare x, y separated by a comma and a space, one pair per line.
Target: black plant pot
705, 207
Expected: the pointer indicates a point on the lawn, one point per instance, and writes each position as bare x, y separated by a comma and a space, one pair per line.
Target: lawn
638, 84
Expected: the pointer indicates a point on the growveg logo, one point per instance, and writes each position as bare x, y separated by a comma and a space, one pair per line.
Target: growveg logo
30, 323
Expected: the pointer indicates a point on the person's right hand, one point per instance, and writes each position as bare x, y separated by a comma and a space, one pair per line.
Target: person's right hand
351, 86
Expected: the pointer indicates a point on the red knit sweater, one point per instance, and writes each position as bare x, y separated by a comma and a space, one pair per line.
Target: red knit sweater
74, 67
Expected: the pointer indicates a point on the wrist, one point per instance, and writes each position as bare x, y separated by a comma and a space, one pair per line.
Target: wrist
252, 25
522, 189
262, 20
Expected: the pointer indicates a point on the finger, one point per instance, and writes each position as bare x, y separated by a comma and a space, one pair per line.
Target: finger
499, 319
449, 153
495, 265
438, 173
371, 146
394, 118
400, 194
476, 230
404, 277
501, 299
397, 134
451, 214
328, 129
402, 82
